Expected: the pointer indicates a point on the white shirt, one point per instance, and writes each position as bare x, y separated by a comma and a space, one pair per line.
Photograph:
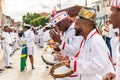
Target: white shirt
112, 31
29, 38
12, 35
93, 61
46, 36
71, 47
71, 42
7, 39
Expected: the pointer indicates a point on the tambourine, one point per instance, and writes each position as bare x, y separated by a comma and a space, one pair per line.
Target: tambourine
49, 59
60, 70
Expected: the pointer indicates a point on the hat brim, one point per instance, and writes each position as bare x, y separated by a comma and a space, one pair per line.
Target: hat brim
86, 18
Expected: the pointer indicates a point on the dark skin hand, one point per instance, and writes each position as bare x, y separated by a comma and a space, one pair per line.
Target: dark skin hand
67, 63
60, 57
57, 49
109, 76
10, 44
55, 36
65, 59
2, 38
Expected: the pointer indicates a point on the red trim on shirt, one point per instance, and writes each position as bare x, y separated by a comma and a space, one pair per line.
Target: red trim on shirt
73, 76
78, 53
63, 45
75, 65
93, 34
79, 50
111, 61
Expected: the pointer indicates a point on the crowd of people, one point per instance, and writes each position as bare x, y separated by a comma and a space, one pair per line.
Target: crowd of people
91, 53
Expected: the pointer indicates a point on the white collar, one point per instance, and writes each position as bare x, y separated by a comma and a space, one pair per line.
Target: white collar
90, 34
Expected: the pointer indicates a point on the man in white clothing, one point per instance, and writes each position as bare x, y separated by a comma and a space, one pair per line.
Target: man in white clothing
7, 43
69, 43
92, 62
115, 20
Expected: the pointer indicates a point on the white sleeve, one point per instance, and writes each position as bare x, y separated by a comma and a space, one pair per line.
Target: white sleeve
5, 40
73, 47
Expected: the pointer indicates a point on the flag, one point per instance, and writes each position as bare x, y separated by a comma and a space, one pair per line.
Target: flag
23, 53
23, 56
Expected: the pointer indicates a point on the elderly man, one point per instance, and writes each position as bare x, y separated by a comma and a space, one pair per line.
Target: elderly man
69, 43
92, 60
115, 20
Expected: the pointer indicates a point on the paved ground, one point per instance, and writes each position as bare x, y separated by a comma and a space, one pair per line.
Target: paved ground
40, 72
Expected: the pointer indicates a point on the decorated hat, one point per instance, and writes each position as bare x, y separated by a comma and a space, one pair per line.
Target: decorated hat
59, 17
87, 14
115, 3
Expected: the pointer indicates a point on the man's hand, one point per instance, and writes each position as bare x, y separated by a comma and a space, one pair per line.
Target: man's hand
10, 44
109, 76
2, 38
119, 38
62, 58
67, 63
55, 36
56, 48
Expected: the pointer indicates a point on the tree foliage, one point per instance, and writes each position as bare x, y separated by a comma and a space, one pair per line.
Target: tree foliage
39, 21
35, 19
29, 17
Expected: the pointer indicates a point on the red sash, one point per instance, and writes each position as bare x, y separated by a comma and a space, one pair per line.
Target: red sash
78, 53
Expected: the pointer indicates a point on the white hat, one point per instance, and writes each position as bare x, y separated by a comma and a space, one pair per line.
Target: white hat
115, 3
6, 25
27, 25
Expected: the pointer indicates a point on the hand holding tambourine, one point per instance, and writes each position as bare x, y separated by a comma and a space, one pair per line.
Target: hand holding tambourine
61, 70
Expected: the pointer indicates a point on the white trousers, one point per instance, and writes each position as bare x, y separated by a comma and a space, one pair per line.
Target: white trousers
7, 55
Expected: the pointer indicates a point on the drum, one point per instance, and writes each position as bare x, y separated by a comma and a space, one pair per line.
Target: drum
60, 70
49, 59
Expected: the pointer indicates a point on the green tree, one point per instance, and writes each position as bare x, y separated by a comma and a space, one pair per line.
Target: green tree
29, 17
39, 21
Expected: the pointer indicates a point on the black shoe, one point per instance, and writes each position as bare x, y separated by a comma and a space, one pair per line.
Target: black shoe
8, 67
47, 66
1, 69
41, 46
10, 63
11, 55
33, 67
